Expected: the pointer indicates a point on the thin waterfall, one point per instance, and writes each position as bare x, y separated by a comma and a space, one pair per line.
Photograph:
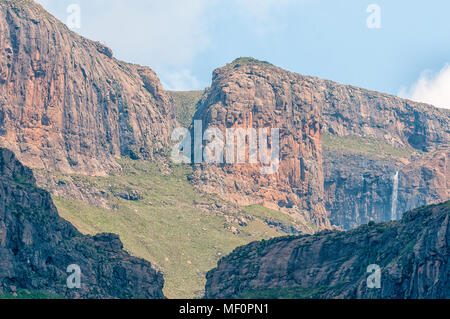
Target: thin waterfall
394, 196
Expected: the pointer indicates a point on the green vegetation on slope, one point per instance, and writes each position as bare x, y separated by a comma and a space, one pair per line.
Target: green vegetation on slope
172, 225
278, 219
249, 60
288, 292
366, 145
30, 294
185, 103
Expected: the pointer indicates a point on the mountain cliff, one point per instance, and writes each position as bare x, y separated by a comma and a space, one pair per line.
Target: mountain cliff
253, 94
348, 110
37, 246
96, 132
413, 256
342, 148
360, 187
374, 141
67, 104
94, 129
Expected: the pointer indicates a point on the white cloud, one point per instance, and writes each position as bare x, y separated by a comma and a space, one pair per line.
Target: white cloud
156, 33
165, 35
431, 88
181, 81
43, 3
170, 35
262, 15
262, 8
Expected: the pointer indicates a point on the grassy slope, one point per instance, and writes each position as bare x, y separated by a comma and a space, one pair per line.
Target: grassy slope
165, 226
30, 294
367, 146
288, 292
185, 103
271, 215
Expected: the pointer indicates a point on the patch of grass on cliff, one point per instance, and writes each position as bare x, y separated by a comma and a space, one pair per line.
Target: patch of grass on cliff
366, 145
164, 226
268, 214
289, 292
30, 294
249, 60
185, 103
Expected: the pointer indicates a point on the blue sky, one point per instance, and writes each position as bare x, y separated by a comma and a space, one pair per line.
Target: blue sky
184, 41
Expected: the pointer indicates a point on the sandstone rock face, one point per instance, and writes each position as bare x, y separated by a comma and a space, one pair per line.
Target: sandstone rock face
349, 110
360, 188
66, 104
315, 186
412, 255
425, 181
37, 246
258, 95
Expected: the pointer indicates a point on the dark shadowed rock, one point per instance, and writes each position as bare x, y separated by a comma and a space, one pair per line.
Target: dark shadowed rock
413, 255
360, 188
37, 246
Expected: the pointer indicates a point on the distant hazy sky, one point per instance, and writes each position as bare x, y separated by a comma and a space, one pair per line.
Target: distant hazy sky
185, 40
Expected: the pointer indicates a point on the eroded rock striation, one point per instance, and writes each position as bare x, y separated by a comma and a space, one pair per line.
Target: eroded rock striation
258, 95
412, 255
359, 184
67, 104
360, 188
349, 110
37, 246
316, 183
